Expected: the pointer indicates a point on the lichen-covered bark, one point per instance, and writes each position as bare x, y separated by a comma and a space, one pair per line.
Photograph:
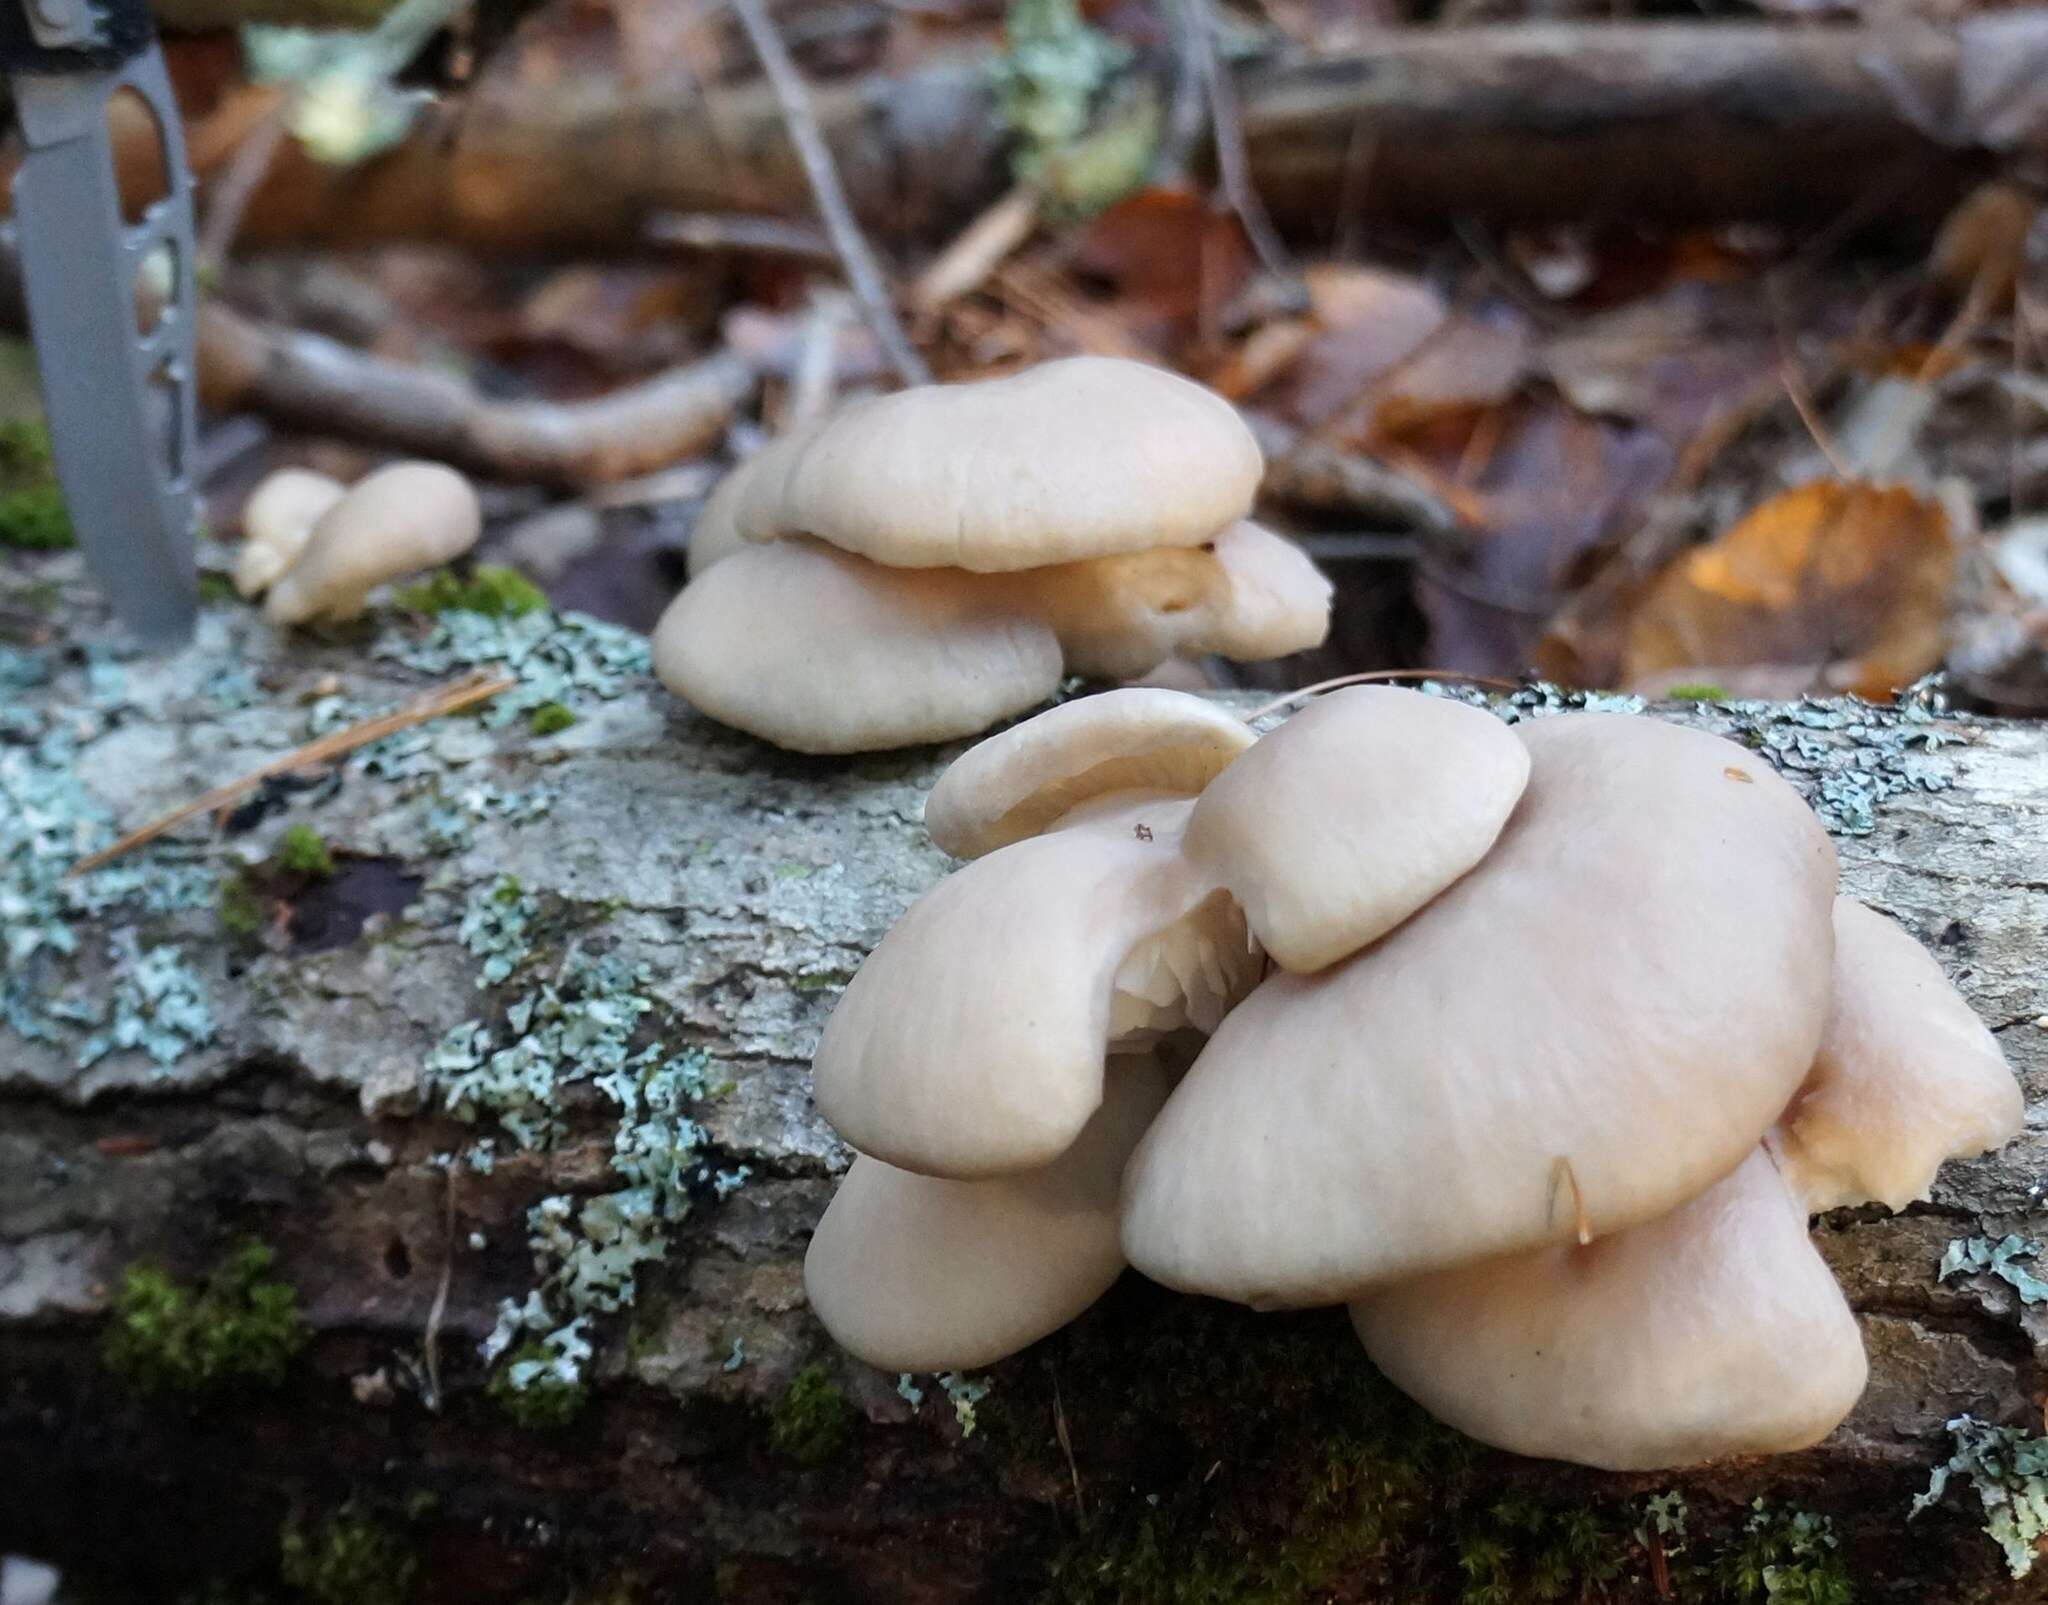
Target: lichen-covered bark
749, 884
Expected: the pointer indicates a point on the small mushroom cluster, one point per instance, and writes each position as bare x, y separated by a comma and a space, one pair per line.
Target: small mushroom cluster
319, 547
1568, 1033
928, 563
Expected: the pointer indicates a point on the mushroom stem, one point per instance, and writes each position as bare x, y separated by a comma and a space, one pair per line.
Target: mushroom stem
1379, 677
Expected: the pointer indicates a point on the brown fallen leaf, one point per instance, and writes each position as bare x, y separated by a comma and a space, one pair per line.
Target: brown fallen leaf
1849, 577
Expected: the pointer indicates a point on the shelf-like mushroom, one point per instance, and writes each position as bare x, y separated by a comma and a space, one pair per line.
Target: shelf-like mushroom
1354, 814
1714, 1330
395, 522
916, 1273
1096, 500
1906, 1077
1632, 983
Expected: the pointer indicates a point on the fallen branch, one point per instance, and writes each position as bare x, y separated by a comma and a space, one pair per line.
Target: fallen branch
1543, 121
863, 272
311, 382
451, 698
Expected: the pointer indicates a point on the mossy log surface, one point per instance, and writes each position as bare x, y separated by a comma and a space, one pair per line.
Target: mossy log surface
1161, 1448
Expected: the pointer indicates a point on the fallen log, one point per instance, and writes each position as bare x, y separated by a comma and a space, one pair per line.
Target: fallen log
236, 1048
1524, 123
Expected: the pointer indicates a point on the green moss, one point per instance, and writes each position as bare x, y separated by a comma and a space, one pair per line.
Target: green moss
1696, 693
300, 851
358, 1556
550, 718
1783, 1556
239, 906
216, 590
546, 1403
33, 519
499, 593
237, 1329
32, 515
810, 1421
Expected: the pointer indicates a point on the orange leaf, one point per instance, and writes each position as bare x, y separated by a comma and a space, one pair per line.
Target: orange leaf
1848, 581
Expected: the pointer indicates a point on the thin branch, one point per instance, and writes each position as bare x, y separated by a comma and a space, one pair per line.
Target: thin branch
855, 255
450, 698
1233, 170
741, 232
1380, 677
430, 1342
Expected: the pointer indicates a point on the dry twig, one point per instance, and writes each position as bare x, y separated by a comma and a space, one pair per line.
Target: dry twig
1226, 129
855, 256
328, 388
450, 698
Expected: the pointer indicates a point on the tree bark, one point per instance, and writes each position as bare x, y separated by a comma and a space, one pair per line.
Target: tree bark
1525, 123
1156, 1432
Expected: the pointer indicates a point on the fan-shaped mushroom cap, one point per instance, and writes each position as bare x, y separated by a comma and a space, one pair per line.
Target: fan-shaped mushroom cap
1906, 1076
971, 1041
1085, 457
395, 522
1713, 1331
1353, 814
1279, 600
1634, 980
277, 520
1017, 783
915, 1273
1252, 595
818, 651
739, 507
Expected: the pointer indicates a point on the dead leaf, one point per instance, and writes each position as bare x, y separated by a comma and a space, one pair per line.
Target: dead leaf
1170, 261
1470, 363
1362, 322
1849, 577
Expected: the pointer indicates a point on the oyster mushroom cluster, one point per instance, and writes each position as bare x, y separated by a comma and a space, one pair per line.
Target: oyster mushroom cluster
1565, 1032
319, 547
929, 563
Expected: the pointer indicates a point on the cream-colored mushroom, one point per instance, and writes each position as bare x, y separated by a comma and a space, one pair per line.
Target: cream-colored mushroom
1906, 1077
1612, 1008
277, 520
395, 522
916, 1273
818, 651
1250, 595
1086, 457
971, 1042
1015, 784
1715, 1330
1353, 814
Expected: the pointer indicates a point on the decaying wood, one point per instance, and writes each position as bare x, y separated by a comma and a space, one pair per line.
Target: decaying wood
750, 884
1541, 121
296, 378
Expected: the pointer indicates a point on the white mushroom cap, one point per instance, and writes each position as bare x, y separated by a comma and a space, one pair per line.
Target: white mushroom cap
1250, 595
1279, 599
1906, 1076
915, 1273
1348, 818
395, 522
277, 519
1017, 783
819, 651
1713, 1331
971, 1041
739, 508
1085, 457
1633, 981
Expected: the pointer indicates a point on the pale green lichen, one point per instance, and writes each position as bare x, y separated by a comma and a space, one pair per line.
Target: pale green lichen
159, 1006
1979, 1255
496, 926
2009, 1469
541, 1384
964, 1393
588, 1252
564, 658
1786, 1557
1076, 143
